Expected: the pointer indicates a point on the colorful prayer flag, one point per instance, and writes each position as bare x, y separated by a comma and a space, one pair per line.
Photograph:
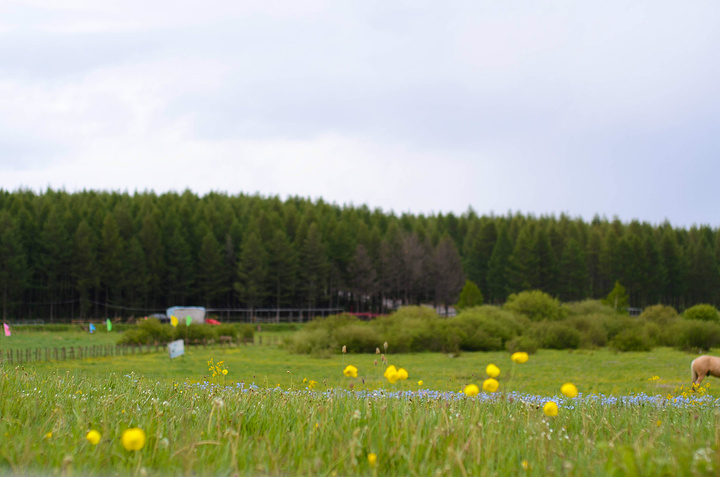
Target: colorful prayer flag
188, 320
109, 324
173, 320
7, 329
92, 328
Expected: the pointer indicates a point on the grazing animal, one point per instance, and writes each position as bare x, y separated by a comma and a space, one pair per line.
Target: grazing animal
704, 366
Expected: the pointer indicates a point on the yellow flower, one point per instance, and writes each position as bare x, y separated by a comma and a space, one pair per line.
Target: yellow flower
471, 390
133, 439
420, 383
520, 357
490, 385
402, 374
48, 435
350, 371
225, 371
569, 390
492, 371
525, 465
659, 423
372, 459
391, 374
93, 437
550, 409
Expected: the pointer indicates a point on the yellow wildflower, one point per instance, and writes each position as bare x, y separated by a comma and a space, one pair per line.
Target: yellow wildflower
525, 465
420, 383
490, 385
133, 439
569, 390
520, 357
402, 374
492, 371
350, 371
372, 459
225, 371
93, 437
48, 435
550, 409
471, 390
391, 374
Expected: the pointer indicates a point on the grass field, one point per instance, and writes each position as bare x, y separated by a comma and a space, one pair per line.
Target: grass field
224, 425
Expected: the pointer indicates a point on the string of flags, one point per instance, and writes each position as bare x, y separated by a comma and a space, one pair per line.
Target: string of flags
7, 329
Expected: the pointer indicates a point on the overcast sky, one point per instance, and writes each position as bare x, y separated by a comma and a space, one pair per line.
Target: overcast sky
608, 107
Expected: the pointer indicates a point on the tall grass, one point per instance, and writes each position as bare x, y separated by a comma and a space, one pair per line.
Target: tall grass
211, 429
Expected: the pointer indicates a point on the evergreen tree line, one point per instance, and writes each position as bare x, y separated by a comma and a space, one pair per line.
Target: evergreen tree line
67, 255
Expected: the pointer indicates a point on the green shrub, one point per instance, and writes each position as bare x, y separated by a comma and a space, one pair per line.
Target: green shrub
587, 307
536, 305
661, 314
195, 333
702, 312
487, 328
556, 335
632, 339
697, 335
616, 324
246, 333
593, 334
310, 341
147, 332
358, 338
226, 329
522, 343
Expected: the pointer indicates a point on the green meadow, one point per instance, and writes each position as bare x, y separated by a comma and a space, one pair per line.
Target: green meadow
277, 413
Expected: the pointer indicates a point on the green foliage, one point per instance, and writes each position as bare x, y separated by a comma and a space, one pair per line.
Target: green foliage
536, 305
696, 335
556, 335
146, 251
522, 343
661, 314
632, 339
618, 299
702, 312
469, 296
593, 334
151, 331
587, 307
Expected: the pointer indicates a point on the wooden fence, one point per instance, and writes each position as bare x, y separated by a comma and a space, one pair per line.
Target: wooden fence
28, 355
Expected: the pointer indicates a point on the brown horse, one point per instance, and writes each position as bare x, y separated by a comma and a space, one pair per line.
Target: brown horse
704, 366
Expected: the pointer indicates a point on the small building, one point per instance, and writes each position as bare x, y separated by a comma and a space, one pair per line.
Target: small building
197, 313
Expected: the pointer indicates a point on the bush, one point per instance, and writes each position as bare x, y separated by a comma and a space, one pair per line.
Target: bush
522, 343
616, 324
591, 329
554, 335
702, 312
147, 332
358, 338
697, 335
632, 339
314, 341
587, 307
535, 305
487, 328
195, 333
661, 314
225, 329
